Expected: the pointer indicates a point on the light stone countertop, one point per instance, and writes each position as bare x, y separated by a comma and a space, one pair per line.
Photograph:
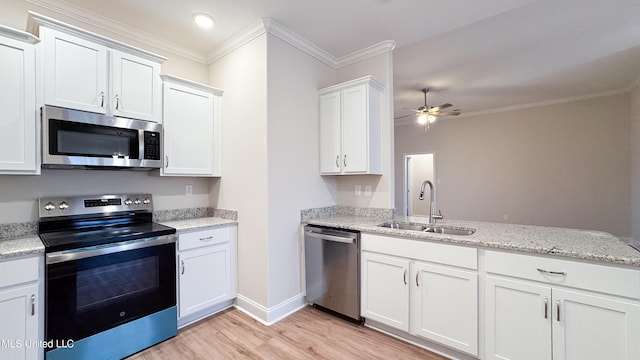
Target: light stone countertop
20, 246
202, 223
572, 243
31, 244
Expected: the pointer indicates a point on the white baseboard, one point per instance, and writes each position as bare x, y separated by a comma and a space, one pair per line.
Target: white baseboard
270, 316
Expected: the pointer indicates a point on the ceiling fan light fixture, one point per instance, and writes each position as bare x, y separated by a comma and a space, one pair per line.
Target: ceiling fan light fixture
203, 20
423, 118
432, 118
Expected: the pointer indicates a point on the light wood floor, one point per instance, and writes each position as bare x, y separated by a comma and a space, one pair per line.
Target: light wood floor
307, 334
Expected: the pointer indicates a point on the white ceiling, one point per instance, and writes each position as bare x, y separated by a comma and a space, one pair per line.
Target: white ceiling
478, 55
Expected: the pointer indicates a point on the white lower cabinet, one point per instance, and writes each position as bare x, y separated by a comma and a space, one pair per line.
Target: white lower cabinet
445, 306
206, 272
423, 291
20, 309
385, 290
538, 318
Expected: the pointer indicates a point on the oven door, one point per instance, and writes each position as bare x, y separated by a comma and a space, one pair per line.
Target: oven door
94, 289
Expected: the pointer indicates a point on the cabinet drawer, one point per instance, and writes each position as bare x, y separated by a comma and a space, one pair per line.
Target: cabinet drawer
595, 277
18, 271
196, 239
441, 253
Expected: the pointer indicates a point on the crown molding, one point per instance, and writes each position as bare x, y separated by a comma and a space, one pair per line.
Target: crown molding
18, 35
373, 50
121, 29
261, 26
275, 28
236, 41
270, 26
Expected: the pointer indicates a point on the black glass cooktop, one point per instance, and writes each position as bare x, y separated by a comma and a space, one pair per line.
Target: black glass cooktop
80, 238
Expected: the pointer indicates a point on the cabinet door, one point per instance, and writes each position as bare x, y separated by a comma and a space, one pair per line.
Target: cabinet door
445, 306
19, 324
355, 130
17, 101
136, 87
188, 131
204, 278
594, 327
330, 132
75, 72
518, 320
385, 290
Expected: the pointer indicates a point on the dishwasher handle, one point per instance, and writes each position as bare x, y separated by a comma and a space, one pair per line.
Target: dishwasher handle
346, 240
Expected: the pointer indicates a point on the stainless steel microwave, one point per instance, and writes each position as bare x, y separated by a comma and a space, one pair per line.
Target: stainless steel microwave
79, 139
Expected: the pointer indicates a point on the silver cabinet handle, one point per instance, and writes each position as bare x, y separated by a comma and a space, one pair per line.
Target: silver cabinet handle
417, 276
33, 305
551, 272
404, 276
546, 308
117, 102
208, 238
345, 160
101, 98
337, 161
182, 267
166, 161
558, 310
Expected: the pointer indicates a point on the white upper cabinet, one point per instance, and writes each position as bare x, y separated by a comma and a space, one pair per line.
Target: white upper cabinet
136, 87
18, 130
350, 128
192, 141
88, 72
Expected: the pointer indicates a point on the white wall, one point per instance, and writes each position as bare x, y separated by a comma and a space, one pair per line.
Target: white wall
242, 75
635, 163
294, 181
381, 68
562, 165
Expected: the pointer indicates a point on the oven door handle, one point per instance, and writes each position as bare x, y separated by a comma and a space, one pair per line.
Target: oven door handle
83, 253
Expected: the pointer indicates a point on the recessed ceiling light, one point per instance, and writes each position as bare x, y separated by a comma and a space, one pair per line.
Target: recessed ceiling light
203, 20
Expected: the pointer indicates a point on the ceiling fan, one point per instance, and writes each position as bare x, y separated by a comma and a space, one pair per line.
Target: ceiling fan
428, 114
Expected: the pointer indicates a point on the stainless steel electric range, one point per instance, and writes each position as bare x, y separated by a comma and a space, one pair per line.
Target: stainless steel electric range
110, 288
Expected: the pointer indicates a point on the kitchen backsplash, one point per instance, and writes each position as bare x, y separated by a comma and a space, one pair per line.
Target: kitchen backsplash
346, 211
14, 230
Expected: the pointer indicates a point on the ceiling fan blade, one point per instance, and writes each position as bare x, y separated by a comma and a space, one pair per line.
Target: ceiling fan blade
405, 116
412, 109
447, 113
440, 107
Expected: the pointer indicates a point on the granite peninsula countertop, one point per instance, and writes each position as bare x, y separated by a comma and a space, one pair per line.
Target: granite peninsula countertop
572, 243
201, 223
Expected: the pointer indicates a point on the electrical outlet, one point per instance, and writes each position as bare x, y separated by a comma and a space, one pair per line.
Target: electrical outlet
367, 190
188, 190
358, 190
505, 217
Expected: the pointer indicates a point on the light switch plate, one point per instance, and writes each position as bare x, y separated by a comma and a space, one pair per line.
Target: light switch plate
358, 190
188, 190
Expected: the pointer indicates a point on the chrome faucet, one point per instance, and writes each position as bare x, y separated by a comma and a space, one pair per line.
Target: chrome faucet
432, 207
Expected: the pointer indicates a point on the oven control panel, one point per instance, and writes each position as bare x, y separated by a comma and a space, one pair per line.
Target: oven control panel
94, 204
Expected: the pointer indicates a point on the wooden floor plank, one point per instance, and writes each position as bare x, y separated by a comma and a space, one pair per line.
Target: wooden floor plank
307, 334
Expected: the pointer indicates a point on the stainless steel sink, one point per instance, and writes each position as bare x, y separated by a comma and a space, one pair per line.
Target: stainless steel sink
404, 226
436, 229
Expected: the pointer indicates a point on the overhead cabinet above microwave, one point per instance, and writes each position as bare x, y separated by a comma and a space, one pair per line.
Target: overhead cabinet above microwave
88, 72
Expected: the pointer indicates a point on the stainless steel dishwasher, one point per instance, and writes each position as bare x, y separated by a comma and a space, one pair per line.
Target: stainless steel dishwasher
332, 264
